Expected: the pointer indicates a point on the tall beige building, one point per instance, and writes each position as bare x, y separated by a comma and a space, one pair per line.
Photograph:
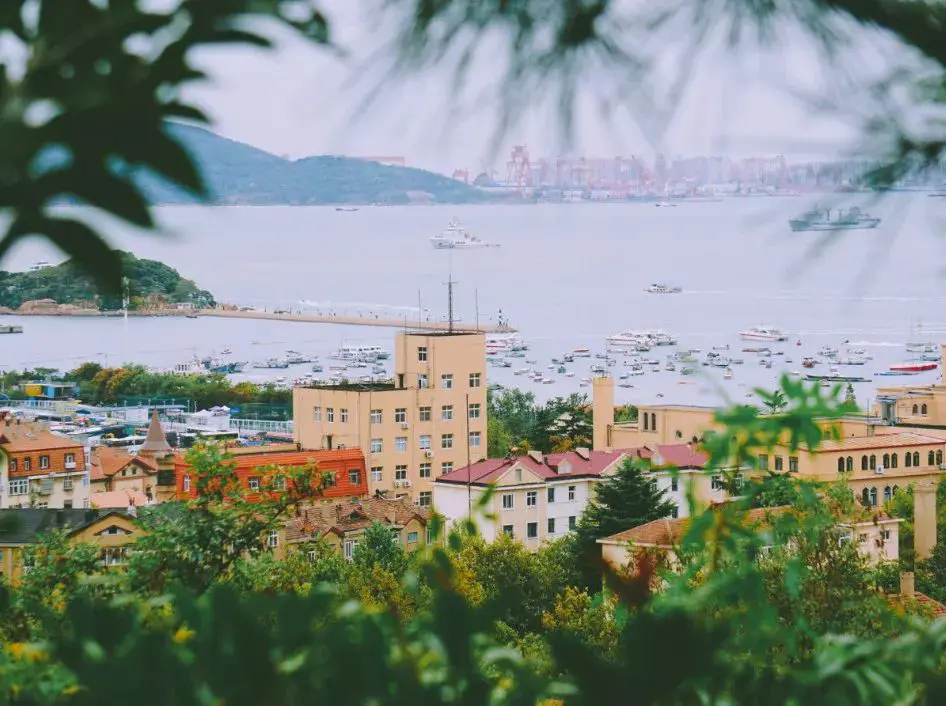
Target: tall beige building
429, 421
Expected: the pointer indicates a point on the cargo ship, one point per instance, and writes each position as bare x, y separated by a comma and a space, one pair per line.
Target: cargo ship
819, 219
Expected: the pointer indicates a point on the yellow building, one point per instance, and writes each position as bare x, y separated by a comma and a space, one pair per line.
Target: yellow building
111, 530
429, 421
916, 406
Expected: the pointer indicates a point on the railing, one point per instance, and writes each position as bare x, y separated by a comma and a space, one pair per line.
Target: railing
283, 427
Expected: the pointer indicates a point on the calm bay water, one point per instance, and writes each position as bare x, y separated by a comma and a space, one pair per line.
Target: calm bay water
566, 275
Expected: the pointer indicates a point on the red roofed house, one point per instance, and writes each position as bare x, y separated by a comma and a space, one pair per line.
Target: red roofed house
537, 497
342, 469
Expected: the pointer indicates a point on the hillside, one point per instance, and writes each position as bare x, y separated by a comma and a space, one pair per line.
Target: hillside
239, 173
149, 282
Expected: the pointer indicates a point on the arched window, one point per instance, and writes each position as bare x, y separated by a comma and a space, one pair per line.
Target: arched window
863, 463
916, 458
887, 494
939, 457
895, 489
930, 458
841, 464
907, 459
646, 421
923, 410
886, 460
916, 410
893, 460
873, 462
849, 464
865, 496
873, 496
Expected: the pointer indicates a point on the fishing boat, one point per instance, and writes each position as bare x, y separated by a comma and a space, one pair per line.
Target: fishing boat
582, 352
658, 288
820, 219
665, 204
763, 333
918, 366
456, 237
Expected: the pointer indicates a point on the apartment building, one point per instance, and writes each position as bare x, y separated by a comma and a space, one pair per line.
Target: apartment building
41, 469
428, 422
537, 497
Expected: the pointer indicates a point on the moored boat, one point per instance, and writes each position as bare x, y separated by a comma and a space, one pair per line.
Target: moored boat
763, 333
918, 366
820, 219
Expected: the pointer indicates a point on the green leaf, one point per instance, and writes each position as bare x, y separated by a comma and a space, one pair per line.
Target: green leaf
100, 188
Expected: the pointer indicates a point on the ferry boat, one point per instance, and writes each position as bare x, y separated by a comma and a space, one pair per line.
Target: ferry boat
819, 219
456, 237
919, 366
640, 340
364, 353
658, 288
763, 333
502, 342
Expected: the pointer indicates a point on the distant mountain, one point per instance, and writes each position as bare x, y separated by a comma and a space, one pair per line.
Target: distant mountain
239, 173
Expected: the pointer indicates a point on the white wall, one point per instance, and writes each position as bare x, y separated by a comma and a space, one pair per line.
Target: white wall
453, 502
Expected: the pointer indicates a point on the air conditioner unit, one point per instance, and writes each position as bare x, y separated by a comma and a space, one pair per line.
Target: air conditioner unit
428, 454
406, 484
404, 425
879, 470
942, 466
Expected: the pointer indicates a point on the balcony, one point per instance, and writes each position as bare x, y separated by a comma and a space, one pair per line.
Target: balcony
70, 465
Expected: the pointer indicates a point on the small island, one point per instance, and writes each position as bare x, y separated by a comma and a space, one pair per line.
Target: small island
151, 286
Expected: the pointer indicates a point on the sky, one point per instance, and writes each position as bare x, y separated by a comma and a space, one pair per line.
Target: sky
301, 100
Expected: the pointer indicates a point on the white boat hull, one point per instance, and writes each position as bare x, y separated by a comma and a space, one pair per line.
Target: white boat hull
754, 336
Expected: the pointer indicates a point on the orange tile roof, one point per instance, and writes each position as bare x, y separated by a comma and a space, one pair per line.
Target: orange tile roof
32, 436
105, 462
313, 521
667, 531
921, 599
854, 443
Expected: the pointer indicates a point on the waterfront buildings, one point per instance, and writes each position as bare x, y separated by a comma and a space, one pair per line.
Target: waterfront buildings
40, 469
428, 422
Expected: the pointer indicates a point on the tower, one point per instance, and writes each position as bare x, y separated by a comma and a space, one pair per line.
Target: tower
602, 405
924, 519
157, 449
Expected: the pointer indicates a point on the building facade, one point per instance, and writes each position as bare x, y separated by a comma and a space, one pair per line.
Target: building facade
428, 422
41, 469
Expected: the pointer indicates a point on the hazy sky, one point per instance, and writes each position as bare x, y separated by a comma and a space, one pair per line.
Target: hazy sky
300, 100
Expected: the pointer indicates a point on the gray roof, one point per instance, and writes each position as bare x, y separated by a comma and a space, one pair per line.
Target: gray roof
25, 525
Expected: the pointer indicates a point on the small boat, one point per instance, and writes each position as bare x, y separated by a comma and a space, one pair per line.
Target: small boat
852, 360
658, 288
581, 352
828, 352
727, 374
686, 371
456, 237
346, 209
820, 219
809, 363
191, 316
919, 366
763, 333
317, 368
665, 204
226, 351
11, 329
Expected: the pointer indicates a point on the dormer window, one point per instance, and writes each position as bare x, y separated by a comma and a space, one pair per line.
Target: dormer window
564, 467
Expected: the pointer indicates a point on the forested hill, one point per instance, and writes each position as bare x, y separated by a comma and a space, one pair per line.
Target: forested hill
150, 284
239, 173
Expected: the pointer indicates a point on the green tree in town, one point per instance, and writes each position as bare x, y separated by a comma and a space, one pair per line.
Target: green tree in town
302, 568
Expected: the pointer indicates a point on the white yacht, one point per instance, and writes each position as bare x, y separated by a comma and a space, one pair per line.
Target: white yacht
640, 340
505, 342
763, 333
658, 288
368, 354
456, 237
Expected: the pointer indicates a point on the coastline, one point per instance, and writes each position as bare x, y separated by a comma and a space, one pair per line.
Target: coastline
266, 315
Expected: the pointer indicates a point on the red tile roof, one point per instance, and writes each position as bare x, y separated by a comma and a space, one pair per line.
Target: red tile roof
105, 462
921, 599
313, 521
580, 463
671, 455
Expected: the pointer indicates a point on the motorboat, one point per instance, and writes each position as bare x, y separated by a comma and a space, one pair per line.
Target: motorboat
763, 333
665, 204
582, 352
658, 288
456, 237
828, 352
640, 341
820, 219
852, 360
919, 366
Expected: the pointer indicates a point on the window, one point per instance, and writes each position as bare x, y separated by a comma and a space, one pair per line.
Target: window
446, 467
886, 460
44, 461
68, 484
446, 412
316, 414
279, 483
329, 414
923, 410
571, 492
873, 462
518, 475
887, 494
779, 464
764, 462
863, 463
674, 485
422, 382
508, 502
532, 498
849, 464
187, 484
27, 464
873, 496
13, 465
377, 474
273, 538
571, 522
446, 381
532, 530
550, 495
376, 416
446, 441
507, 529
343, 415
916, 410
916, 458
716, 483
908, 459
430, 534
400, 472
400, 443
939, 457
551, 525
865, 496
424, 414
675, 512
400, 415
425, 470
328, 479
474, 411
475, 379
20, 486
793, 464
424, 499
930, 458
885, 534
376, 446
354, 476
422, 354
349, 549
893, 460
67, 504
412, 537
253, 482
425, 441
475, 439
841, 464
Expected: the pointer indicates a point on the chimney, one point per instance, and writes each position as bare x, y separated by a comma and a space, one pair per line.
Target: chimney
924, 519
536, 456
907, 586
583, 453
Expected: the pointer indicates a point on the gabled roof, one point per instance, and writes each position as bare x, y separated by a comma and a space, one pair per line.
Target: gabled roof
314, 521
25, 525
16, 437
106, 462
579, 463
681, 456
